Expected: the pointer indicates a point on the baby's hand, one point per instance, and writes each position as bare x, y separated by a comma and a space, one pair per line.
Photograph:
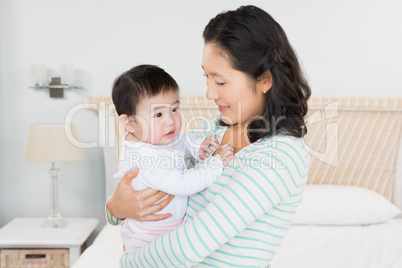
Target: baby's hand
227, 154
206, 145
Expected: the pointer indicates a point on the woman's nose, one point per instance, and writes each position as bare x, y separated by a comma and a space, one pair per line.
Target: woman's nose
212, 94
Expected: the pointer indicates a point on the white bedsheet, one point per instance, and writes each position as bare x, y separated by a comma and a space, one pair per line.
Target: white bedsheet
371, 246
105, 250
376, 246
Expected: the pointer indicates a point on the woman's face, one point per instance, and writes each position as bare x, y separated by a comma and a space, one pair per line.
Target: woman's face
237, 96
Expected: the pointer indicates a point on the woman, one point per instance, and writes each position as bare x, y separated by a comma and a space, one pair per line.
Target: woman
254, 77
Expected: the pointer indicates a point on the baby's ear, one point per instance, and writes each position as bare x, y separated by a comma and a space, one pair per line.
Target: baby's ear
127, 123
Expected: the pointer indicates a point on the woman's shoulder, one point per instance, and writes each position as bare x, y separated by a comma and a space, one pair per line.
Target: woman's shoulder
281, 146
208, 126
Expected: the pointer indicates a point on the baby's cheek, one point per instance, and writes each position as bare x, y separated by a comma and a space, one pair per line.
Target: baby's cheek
178, 122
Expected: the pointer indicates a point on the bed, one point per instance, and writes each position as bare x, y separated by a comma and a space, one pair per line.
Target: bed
350, 216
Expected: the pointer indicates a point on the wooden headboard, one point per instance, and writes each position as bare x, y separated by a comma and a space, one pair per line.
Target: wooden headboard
352, 141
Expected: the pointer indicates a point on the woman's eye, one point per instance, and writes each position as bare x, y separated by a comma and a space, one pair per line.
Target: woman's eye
158, 115
220, 84
175, 109
205, 75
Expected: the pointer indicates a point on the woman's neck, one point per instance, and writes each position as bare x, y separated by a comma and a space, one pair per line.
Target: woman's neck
236, 136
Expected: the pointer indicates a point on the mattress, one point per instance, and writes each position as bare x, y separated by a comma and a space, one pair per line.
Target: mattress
309, 246
105, 251
368, 246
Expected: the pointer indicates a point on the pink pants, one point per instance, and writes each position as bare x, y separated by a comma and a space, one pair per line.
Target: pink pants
136, 235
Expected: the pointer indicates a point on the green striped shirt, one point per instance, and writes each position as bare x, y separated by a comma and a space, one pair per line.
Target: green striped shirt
242, 218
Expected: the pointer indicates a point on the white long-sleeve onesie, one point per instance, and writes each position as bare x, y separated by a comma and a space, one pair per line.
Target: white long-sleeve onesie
164, 168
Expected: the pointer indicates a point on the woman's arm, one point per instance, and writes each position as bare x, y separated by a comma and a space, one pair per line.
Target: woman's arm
249, 192
138, 205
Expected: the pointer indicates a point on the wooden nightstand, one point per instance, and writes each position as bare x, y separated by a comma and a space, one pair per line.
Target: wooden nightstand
24, 243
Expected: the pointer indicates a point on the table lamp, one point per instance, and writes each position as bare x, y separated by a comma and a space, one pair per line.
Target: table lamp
49, 143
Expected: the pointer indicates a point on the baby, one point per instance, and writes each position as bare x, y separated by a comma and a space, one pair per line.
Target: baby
147, 101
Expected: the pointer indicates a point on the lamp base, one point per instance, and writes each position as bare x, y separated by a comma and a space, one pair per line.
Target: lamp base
54, 222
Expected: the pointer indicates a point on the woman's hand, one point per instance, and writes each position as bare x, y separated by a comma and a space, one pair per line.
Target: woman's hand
138, 205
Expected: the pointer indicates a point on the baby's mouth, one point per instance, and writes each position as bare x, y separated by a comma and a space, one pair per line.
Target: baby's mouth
169, 133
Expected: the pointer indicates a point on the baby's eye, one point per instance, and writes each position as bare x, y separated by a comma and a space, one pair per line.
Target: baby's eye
220, 84
158, 115
175, 109
205, 75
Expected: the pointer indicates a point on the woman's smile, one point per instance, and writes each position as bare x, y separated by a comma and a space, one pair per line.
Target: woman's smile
223, 108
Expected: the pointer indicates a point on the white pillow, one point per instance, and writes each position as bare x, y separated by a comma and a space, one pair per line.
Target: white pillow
343, 205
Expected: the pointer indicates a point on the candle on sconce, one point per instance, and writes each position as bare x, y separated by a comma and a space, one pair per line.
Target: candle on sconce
60, 81
39, 75
67, 74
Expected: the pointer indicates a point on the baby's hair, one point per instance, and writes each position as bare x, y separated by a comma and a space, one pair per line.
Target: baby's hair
139, 82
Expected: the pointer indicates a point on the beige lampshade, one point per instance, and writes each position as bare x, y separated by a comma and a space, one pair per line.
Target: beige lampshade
49, 143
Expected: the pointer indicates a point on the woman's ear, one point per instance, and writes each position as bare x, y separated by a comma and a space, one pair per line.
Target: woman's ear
265, 82
127, 123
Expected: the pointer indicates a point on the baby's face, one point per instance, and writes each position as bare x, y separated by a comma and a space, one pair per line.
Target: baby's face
158, 119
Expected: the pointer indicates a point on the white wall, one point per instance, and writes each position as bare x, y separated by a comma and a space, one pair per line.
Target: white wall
348, 48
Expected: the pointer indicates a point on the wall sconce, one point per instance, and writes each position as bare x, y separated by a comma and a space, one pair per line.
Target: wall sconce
57, 84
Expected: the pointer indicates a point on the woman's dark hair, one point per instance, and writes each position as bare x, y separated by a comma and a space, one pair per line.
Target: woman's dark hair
255, 43
140, 81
